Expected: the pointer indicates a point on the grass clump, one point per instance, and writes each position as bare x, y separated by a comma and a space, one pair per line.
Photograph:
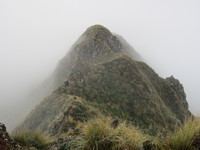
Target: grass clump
31, 139
128, 137
99, 134
184, 138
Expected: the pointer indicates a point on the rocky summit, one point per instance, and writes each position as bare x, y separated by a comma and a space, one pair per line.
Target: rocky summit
102, 75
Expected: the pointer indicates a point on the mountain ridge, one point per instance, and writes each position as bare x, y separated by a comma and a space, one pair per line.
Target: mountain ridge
101, 76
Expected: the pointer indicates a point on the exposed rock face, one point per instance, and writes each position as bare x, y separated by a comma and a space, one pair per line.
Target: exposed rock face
178, 87
101, 75
97, 41
7, 143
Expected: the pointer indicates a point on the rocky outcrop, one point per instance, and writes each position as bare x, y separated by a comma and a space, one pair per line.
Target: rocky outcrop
178, 87
7, 143
97, 41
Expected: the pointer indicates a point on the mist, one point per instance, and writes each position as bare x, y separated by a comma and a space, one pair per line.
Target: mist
36, 34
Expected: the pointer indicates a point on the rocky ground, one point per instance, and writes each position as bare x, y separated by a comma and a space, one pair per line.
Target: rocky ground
6, 142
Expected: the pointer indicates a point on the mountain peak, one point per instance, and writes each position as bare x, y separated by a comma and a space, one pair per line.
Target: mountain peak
95, 42
98, 32
99, 76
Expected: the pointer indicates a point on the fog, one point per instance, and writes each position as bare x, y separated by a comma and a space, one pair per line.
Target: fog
36, 34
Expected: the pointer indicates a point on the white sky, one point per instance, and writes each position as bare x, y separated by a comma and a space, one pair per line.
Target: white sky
35, 34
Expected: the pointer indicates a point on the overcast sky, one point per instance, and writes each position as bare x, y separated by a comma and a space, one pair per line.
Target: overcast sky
36, 34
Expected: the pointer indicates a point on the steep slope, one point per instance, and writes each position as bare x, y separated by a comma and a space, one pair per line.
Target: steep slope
96, 42
93, 45
99, 76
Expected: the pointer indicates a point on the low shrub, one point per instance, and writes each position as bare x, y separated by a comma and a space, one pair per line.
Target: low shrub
31, 139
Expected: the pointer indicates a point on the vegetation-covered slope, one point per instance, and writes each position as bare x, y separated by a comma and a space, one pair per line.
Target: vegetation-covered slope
118, 87
98, 77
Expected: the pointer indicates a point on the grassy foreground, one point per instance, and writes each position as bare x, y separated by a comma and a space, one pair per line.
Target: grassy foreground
107, 134
185, 138
100, 134
32, 139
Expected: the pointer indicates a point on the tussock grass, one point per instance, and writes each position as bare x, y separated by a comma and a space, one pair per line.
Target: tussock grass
128, 137
98, 134
183, 138
32, 139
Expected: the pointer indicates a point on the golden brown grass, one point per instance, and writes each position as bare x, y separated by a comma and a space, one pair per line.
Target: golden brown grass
182, 139
128, 137
98, 134
32, 139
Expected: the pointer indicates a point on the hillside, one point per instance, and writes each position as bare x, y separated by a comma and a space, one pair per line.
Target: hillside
102, 75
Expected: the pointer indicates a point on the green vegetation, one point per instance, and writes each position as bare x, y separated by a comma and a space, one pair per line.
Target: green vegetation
125, 87
103, 134
32, 139
97, 79
117, 87
99, 134
128, 137
59, 113
186, 138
